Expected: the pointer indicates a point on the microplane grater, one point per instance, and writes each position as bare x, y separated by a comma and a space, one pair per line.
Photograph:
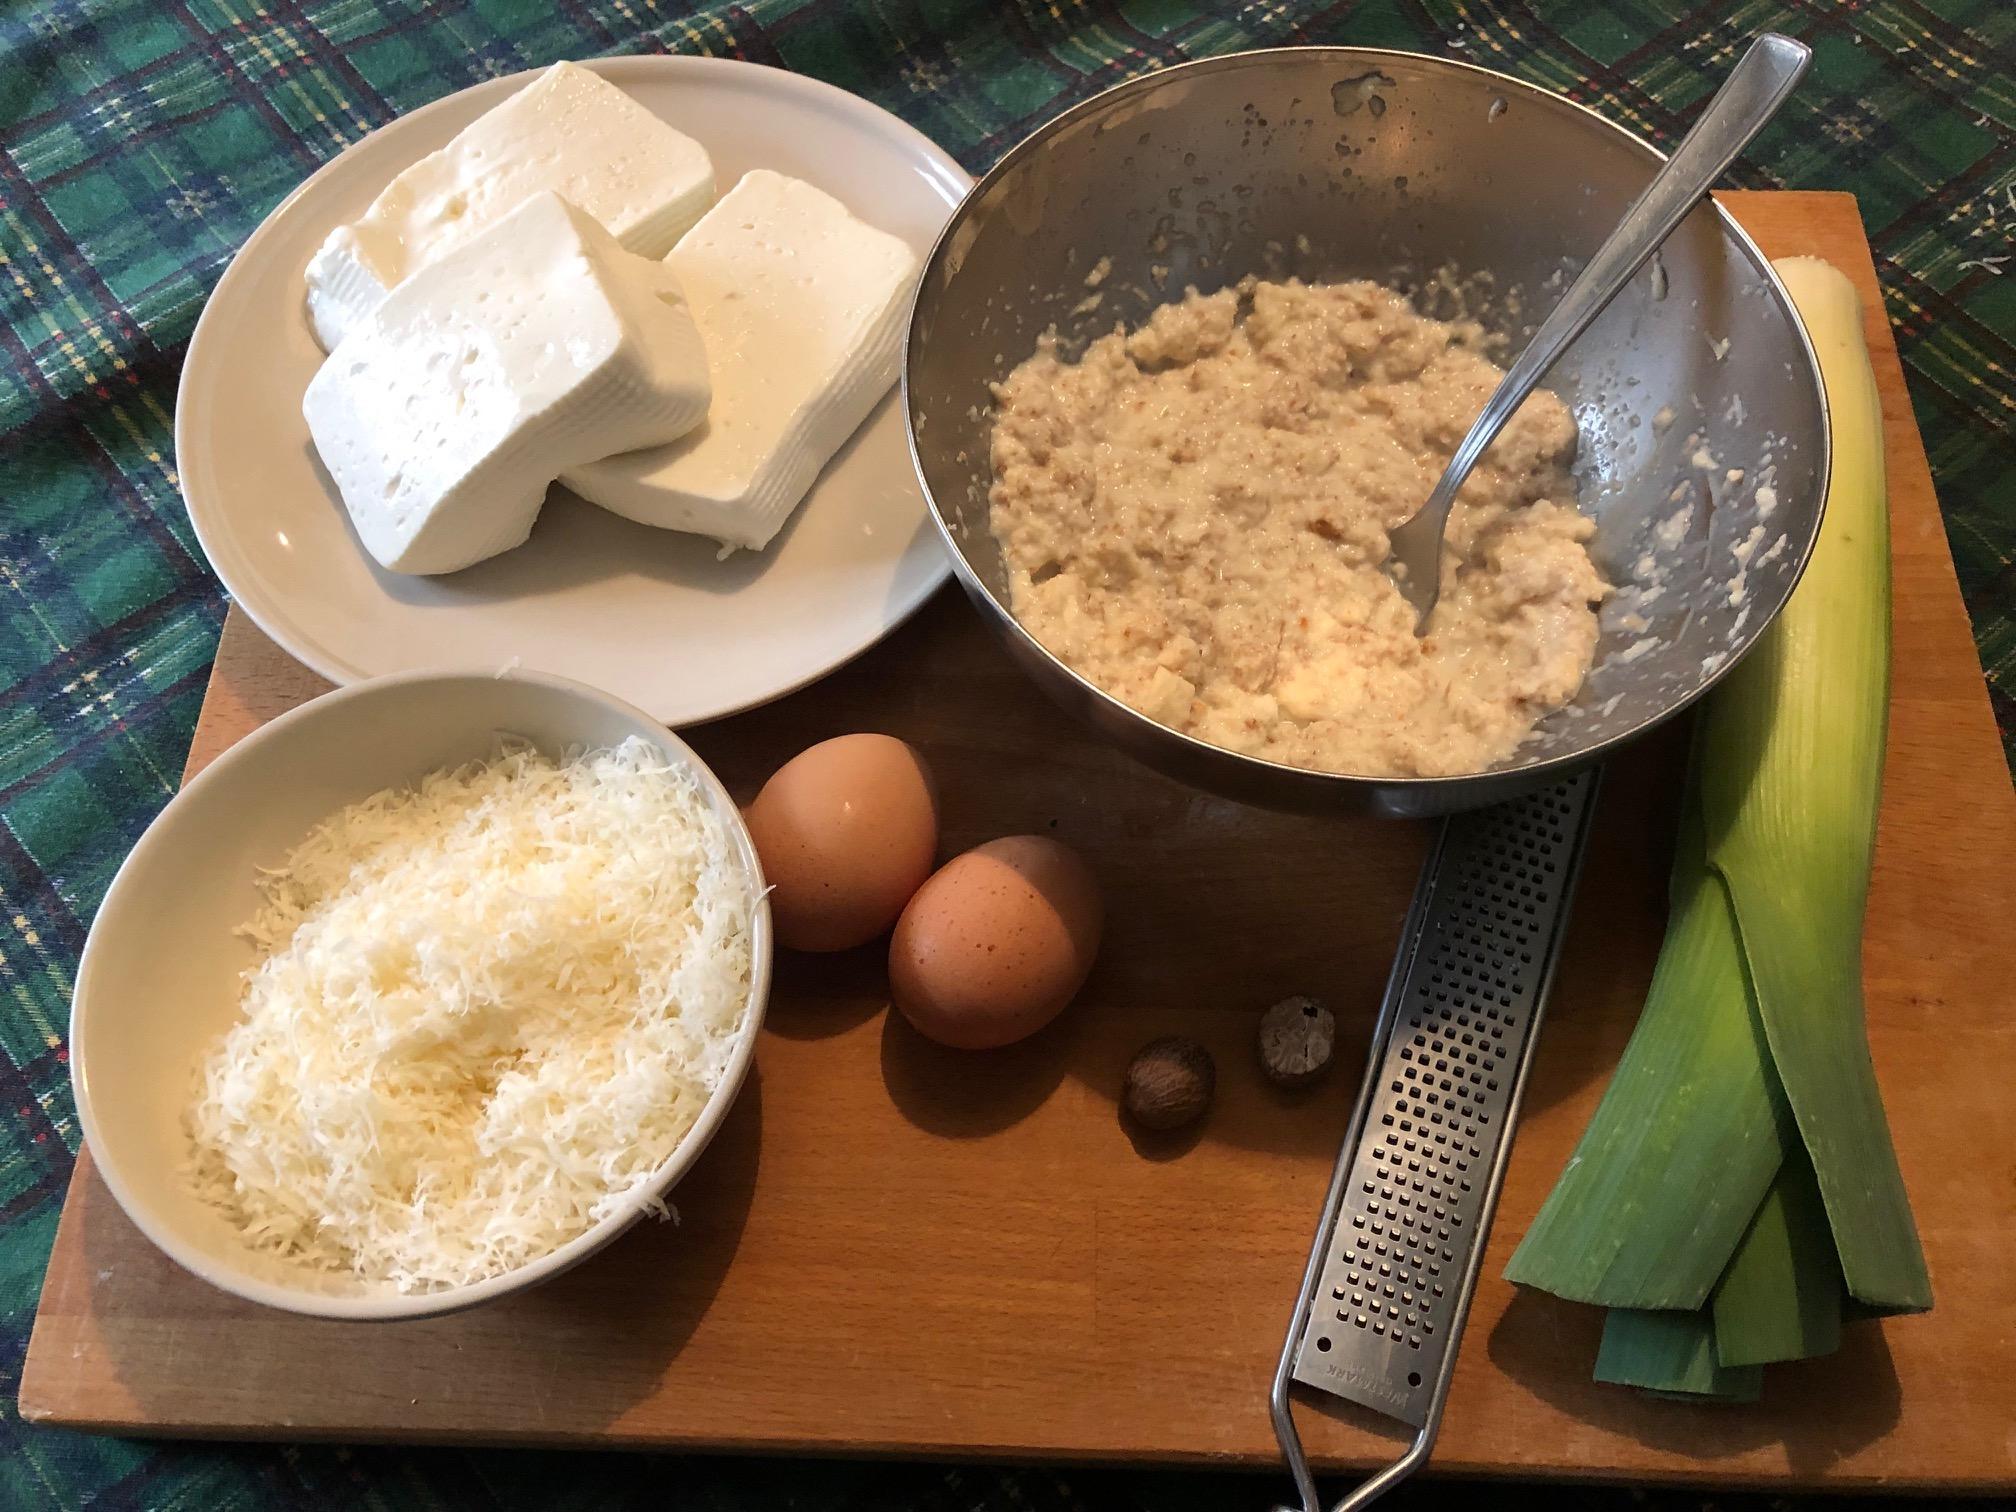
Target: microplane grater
1401, 1240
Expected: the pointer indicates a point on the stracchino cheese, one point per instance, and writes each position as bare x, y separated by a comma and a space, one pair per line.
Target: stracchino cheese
569, 131
801, 307
536, 347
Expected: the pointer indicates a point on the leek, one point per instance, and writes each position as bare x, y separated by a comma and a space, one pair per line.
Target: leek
1736, 1196
1791, 771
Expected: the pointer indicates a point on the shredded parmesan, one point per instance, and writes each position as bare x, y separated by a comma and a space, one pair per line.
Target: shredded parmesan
486, 1011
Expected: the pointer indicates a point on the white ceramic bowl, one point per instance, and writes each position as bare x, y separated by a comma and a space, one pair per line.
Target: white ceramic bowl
160, 975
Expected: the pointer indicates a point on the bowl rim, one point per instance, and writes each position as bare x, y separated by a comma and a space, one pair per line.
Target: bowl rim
139, 1206
1260, 770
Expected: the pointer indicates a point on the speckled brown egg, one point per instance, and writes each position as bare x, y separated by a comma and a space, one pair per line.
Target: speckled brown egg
996, 943
847, 831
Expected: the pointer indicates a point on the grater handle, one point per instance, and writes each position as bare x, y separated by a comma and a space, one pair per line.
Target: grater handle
1366, 1491
1483, 932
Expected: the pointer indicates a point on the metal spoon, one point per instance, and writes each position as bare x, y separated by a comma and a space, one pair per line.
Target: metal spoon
1750, 96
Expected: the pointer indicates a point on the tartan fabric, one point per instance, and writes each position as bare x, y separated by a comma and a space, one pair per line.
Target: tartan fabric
142, 140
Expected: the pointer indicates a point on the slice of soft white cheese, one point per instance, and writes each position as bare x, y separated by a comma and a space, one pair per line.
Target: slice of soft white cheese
801, 307
538, 346
570, 131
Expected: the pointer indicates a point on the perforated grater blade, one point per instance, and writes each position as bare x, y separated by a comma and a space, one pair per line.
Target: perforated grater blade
1401, 1240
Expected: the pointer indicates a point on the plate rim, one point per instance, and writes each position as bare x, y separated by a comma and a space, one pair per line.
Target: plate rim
211, 522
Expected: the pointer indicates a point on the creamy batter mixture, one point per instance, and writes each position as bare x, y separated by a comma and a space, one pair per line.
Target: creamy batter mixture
1194, 517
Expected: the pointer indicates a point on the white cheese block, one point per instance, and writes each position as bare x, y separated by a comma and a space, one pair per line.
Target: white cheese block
569, 131
801, 307
538, 346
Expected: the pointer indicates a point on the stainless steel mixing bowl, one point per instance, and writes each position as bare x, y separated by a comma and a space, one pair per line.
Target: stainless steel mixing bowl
1704, 448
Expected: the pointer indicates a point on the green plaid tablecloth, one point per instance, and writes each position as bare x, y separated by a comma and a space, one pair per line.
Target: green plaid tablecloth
142, 140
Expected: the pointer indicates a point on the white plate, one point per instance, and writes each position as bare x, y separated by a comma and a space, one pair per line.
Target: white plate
650, 615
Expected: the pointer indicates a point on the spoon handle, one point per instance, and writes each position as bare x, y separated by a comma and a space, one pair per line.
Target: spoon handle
1748, 98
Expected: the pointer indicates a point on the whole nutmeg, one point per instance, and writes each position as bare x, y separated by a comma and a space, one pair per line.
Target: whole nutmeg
1169, 1083
1297, 1036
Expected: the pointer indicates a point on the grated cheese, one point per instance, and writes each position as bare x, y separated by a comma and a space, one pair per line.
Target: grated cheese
487, 1010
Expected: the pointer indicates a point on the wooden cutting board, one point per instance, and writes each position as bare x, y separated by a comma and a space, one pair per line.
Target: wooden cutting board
895, 1248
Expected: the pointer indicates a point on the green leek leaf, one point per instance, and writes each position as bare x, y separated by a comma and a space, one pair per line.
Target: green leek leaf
1782, 1295
1688, 1136
1671, 1353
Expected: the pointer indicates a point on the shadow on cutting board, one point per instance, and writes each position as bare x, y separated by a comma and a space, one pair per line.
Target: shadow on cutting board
607, 1330
816, 996
616, 1325
961, 1094
1820, 1410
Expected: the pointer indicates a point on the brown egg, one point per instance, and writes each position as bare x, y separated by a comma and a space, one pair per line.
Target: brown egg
996, 943
847, 831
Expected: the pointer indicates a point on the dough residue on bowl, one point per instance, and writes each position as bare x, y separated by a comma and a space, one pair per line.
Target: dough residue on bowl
1193, 516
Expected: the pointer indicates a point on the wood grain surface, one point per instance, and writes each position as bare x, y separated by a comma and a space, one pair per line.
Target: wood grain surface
895, 1248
